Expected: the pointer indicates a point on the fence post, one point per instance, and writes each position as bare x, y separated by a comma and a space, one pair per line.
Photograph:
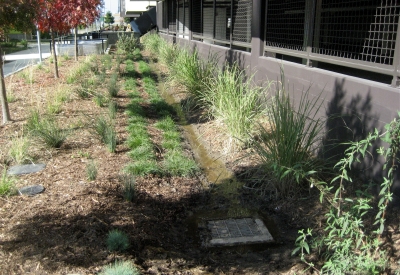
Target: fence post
396, 59
190, 14
257, 33
309, 14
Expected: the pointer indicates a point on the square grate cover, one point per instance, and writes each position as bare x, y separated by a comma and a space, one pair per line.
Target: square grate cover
238, 232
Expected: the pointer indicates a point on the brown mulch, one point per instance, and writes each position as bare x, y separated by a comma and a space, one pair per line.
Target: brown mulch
64, 229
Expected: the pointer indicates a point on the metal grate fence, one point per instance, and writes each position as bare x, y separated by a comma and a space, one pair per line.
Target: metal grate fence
285, 24
242, 19
362, 30
171, 16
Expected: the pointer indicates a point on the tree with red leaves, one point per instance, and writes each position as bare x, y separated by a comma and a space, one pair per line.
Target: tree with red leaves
83, 13
53, 17
16, 14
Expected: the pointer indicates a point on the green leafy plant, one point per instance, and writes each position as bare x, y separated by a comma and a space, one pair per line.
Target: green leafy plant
287, 143
120, 268
348, 246
127, 43
7, 185
91, 170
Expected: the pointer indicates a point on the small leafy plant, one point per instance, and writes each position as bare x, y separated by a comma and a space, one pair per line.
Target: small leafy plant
349, 247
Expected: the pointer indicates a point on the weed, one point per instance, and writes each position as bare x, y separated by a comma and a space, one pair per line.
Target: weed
113, 87
128, 182
112, 109
10, 96
7, 185
19, 149
99, 99
91, 170
117, 241
120, 268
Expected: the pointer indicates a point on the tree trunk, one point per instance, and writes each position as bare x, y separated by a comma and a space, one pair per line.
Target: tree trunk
53, 46
3, 96
76, 43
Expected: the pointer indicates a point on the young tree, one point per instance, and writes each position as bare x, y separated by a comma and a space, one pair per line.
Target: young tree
52, 17
109, 18
17, 14
84, 12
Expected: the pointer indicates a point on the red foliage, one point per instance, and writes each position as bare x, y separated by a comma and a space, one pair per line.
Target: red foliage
63, 15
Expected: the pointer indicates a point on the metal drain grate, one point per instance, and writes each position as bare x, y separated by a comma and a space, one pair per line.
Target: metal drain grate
238, 232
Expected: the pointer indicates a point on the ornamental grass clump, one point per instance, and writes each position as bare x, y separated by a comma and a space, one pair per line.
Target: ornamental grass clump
287, 144
192, 72
235, 101
120, 268
47, 130
117, 241
7, 185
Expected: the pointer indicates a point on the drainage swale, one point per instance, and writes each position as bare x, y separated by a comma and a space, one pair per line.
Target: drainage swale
233, 232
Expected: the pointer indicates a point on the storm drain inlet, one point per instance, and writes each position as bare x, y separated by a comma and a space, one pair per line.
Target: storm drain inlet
243, 231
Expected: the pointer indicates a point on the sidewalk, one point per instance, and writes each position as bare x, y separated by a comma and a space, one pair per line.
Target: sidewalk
19, 60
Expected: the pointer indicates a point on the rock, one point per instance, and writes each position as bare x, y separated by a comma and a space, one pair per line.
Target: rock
26, 169
31, 190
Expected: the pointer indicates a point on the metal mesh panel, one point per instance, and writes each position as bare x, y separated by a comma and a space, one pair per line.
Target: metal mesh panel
162, 16
171, 16
197, 14
285, 24
208, 18
361, 29
222, 13
242, 18
183, 17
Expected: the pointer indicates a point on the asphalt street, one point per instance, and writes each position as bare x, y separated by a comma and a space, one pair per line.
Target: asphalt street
19, 60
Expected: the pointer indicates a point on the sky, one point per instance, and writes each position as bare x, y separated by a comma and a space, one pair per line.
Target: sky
111, 5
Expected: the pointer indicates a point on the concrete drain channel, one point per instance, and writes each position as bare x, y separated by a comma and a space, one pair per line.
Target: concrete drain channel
233, 232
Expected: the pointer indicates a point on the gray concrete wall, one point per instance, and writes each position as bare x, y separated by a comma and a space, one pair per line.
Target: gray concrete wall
354, 106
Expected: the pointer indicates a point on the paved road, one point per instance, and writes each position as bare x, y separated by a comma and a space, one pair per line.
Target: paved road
19, 60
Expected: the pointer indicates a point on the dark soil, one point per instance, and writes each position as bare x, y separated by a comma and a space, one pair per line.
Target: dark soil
64, 229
